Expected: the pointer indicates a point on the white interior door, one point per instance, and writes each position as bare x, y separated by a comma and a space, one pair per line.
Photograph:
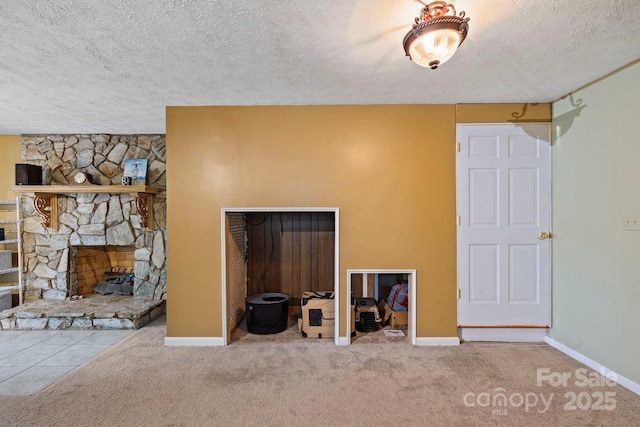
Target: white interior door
504, 208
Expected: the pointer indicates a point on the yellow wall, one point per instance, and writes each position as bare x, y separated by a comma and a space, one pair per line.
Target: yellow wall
503, 113
9, 156
389, 168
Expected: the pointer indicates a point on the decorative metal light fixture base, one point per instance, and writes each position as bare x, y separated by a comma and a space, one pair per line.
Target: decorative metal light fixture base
445, 30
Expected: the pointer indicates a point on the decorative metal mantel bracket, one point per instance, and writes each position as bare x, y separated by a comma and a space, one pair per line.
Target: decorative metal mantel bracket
144, 206
45, 201
46, 204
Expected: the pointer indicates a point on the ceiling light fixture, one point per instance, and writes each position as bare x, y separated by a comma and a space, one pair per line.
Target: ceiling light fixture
436, 34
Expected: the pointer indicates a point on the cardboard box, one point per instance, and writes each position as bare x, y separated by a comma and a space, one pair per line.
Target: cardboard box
396, 318
399, 319
5, 259
318, 314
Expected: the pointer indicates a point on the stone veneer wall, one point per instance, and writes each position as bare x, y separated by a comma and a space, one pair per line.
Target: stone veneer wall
93, 219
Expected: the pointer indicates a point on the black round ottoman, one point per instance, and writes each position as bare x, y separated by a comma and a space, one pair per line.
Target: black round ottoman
267, 313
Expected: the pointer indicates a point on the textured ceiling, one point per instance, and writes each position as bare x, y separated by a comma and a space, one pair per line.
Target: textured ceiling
72, 66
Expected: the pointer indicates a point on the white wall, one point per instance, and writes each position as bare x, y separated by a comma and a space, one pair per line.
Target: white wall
596, 182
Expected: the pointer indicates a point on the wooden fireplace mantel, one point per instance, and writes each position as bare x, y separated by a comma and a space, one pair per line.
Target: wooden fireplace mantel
46, 198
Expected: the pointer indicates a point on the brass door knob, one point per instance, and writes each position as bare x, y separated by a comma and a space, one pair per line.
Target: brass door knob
544, 235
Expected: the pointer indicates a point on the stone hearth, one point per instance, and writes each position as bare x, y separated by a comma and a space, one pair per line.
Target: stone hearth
89, 312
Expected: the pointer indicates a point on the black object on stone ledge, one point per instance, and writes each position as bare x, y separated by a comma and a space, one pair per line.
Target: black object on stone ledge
28, 174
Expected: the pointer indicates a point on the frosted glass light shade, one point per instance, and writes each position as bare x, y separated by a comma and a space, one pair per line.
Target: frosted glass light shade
436, 34
434, 48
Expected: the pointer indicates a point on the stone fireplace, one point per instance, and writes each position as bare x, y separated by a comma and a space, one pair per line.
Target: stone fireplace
90, 226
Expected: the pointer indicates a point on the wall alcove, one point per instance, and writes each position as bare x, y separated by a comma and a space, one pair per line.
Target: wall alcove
368, 282
287, 250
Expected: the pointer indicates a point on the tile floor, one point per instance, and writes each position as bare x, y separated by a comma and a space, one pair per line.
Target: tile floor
32, 360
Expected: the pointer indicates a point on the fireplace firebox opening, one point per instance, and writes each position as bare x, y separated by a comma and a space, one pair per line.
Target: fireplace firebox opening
91, 265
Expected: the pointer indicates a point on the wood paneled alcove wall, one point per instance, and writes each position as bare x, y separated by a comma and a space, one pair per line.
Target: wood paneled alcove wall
290, 252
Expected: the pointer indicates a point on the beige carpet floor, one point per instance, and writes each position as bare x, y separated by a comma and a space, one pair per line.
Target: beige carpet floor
140, 382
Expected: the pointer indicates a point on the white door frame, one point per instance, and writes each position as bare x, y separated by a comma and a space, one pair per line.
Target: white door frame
223, 252
411, 327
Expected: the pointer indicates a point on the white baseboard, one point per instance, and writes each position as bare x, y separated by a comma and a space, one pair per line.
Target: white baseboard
436, 341
193, 341
343, 341
623, 381
503, 334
